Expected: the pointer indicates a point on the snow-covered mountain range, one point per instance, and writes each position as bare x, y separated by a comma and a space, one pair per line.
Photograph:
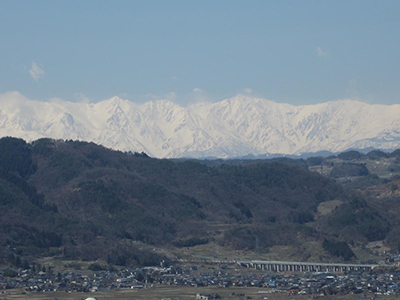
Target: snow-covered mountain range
237, 126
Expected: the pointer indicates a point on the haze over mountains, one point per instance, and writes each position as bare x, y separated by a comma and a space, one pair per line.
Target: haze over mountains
237, 126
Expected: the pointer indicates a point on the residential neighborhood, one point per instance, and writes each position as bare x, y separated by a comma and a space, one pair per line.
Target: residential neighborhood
379, 281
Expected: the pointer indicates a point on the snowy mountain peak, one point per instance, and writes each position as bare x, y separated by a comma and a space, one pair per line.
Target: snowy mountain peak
115, 103
237, 126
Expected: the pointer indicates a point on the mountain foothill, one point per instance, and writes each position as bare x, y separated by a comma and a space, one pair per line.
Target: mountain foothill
77, 200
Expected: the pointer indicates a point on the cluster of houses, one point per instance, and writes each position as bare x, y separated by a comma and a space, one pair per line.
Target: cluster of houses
378, 282
71, 281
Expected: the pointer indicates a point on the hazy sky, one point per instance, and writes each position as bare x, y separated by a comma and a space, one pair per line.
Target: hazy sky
299, 52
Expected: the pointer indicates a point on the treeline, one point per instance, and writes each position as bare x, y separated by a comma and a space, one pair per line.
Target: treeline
340, 249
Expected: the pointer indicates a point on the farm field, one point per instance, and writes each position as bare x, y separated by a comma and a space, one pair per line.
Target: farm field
183, 293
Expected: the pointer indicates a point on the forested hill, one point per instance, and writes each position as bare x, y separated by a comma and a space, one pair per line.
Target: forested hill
80, 200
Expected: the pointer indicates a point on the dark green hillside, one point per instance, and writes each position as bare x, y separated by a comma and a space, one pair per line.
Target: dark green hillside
356, 220
374, 214
349, 170
82, 201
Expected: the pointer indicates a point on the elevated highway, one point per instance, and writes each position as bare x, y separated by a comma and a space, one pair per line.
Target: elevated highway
290, 266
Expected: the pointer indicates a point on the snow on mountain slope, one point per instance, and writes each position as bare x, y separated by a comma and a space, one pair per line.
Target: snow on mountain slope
238, 126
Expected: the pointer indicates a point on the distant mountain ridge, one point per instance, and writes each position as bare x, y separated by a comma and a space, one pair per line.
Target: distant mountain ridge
238, 126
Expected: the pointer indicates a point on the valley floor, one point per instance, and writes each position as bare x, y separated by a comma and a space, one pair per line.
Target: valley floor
183, 293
